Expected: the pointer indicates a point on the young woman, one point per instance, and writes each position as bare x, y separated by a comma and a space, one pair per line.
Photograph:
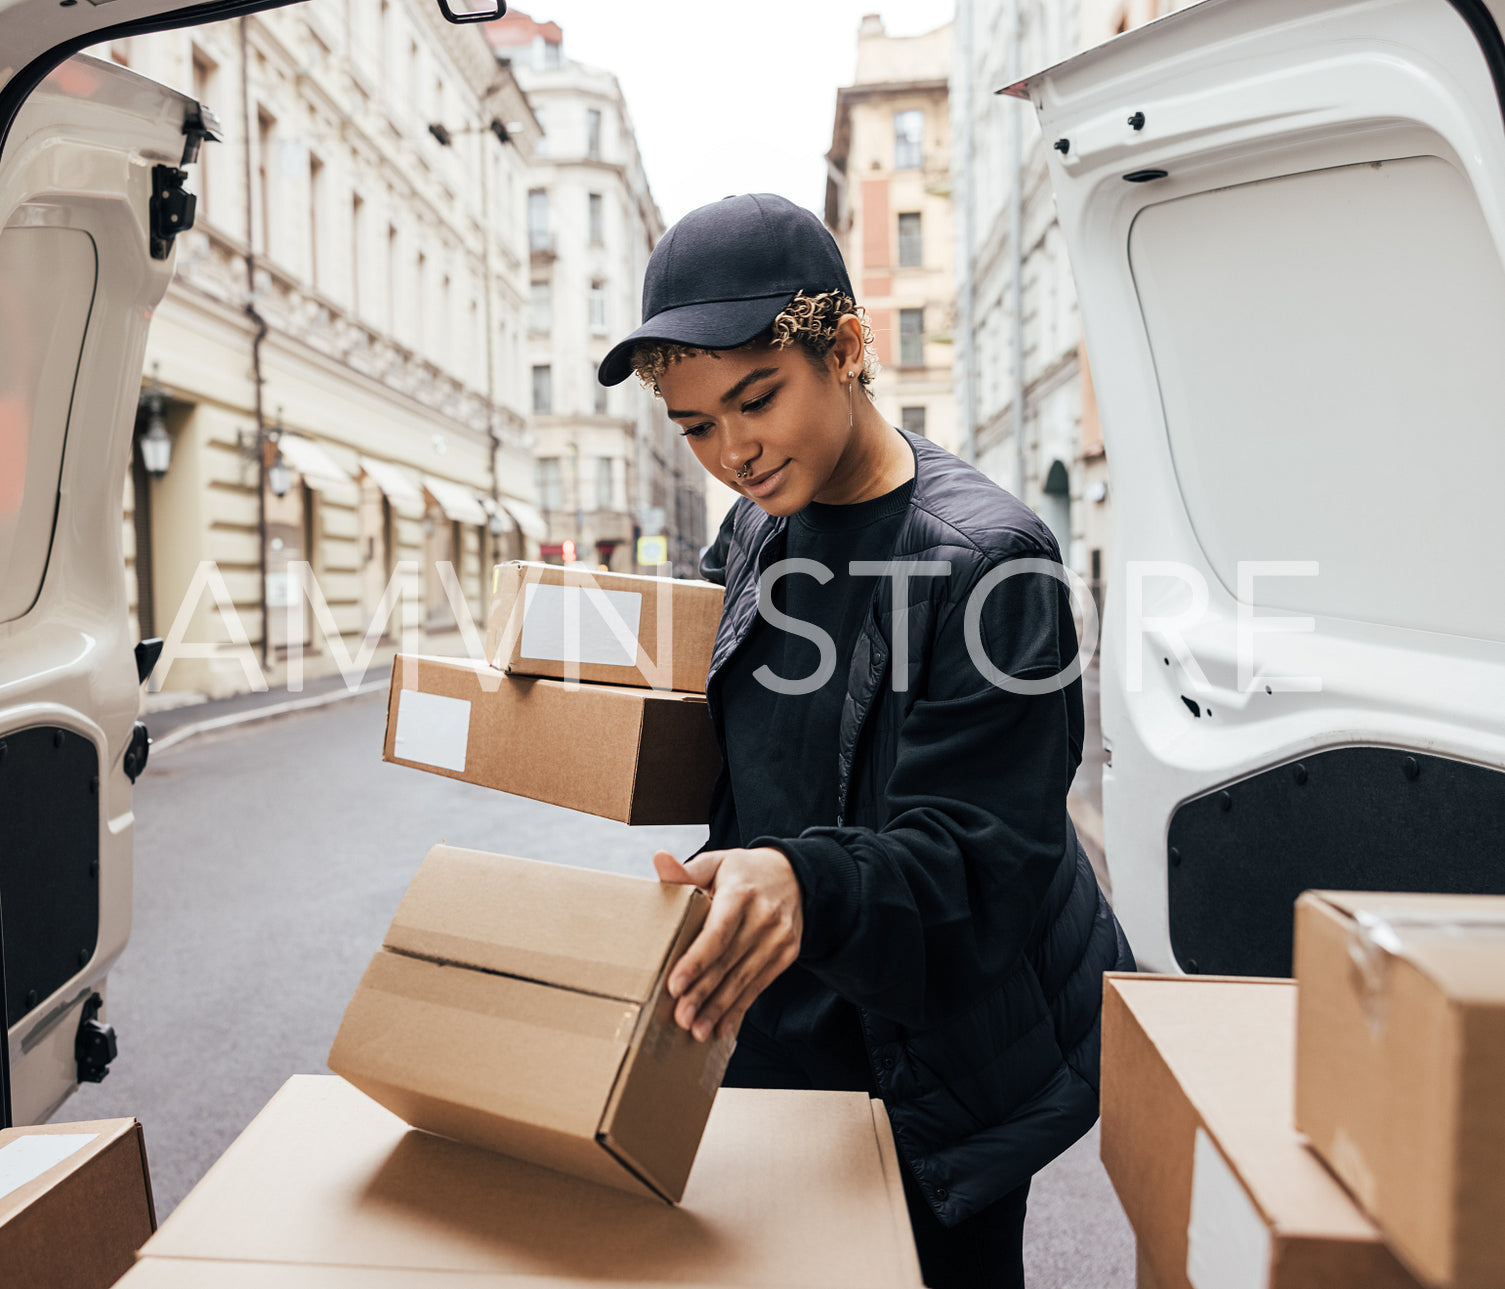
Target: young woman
899, 903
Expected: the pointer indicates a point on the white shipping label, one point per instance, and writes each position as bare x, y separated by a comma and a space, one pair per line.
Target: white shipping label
581, 624
27, 1158
1227, 1242
432, 729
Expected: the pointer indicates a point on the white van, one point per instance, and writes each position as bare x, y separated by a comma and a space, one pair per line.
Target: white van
93, 165
1287, 224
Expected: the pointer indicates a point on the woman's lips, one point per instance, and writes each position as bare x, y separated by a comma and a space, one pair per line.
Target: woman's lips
764, 484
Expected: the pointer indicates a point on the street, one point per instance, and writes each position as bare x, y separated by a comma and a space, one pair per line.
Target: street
269, 861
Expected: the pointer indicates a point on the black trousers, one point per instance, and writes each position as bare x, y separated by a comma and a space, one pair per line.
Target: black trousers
986, 1251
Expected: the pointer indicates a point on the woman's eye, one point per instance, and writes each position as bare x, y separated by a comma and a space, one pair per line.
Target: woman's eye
697, 431
758, 404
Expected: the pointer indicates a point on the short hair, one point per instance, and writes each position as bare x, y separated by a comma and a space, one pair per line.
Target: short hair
808, 321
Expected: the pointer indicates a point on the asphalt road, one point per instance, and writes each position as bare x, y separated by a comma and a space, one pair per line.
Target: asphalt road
269, 860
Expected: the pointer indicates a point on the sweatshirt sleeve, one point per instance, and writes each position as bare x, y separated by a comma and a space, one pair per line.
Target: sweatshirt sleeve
921, 917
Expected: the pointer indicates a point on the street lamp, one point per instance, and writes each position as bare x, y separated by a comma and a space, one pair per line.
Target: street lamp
156, 443
279, 476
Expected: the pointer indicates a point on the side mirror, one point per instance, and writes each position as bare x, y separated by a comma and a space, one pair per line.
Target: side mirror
472, 10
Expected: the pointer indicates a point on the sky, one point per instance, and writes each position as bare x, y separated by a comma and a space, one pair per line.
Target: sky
730, 97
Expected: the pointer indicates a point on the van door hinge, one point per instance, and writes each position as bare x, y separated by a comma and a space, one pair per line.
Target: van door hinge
171, 209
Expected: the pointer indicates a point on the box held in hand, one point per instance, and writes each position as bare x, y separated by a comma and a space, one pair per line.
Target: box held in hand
75, 1203
641, 756
524, 1007
611, 628
1400, 1069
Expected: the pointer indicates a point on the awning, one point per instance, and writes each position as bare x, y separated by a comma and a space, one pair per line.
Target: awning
528, 518
399, 486
456, 500
316, 466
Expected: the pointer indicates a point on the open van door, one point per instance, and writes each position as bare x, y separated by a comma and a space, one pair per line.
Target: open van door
92, 174
1287, 224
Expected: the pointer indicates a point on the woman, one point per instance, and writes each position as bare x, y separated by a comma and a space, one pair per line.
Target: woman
899, 903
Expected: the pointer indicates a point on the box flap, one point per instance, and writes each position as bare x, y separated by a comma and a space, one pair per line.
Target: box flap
1231, 1046
494, 1044
205, 1273
789, 1190
1456, 940
601, 933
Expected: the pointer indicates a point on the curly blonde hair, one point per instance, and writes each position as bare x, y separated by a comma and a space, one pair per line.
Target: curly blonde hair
809, 321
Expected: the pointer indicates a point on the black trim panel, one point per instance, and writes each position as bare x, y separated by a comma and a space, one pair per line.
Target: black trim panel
1353, 818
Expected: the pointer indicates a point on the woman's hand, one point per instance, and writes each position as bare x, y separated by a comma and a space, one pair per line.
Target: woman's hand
751, 934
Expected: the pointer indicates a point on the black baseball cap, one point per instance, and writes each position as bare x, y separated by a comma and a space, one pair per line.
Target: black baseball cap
724, 272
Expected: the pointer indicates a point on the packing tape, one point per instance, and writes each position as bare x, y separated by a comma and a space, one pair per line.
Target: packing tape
716, 1061
1378, 937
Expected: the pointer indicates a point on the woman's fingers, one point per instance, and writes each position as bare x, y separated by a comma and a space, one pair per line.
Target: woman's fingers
706, 961
671, 870
769, 951
731, 1020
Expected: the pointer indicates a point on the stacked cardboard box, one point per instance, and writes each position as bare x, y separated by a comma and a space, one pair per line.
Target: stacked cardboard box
632, 743
1400, 1080
1198, 1139
329, 1190
523, 1007
75, 1203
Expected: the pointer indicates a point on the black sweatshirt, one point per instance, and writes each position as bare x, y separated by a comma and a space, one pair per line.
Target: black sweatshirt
781, 749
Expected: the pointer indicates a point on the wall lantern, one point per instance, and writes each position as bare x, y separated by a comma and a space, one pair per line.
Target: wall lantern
156, 443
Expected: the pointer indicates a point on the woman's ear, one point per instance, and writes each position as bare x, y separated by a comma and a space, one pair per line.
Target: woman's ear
848, 348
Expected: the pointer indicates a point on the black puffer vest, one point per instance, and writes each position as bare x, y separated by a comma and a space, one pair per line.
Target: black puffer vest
981, 1100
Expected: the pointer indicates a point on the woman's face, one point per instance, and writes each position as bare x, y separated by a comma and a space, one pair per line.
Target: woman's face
772, 410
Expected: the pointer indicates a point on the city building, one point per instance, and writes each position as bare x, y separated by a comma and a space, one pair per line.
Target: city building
337, 367
1026, 408
888, 204
611, 466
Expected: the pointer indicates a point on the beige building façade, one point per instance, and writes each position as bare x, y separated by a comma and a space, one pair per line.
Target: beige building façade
888, 204
337, 367
611, 466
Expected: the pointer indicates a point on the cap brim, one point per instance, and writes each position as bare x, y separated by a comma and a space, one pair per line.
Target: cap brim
717, 324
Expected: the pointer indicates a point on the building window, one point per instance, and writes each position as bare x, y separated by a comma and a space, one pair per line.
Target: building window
315, 204
550, 483
912, 419
204, 69
911, 251
598, 308
909, 139
357, 244
540, 307
911, 337
392, 263
602, 394
597, 219
603, 483
266, 143
593, 134
538, 219
543, 388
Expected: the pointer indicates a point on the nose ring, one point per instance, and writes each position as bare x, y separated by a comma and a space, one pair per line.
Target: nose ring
744, 471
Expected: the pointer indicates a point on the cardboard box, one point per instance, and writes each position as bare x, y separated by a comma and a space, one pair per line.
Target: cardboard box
1400, 1069
791, 1189
616, 628
75, 1203
642, 756
524, 1007
1197, 1137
